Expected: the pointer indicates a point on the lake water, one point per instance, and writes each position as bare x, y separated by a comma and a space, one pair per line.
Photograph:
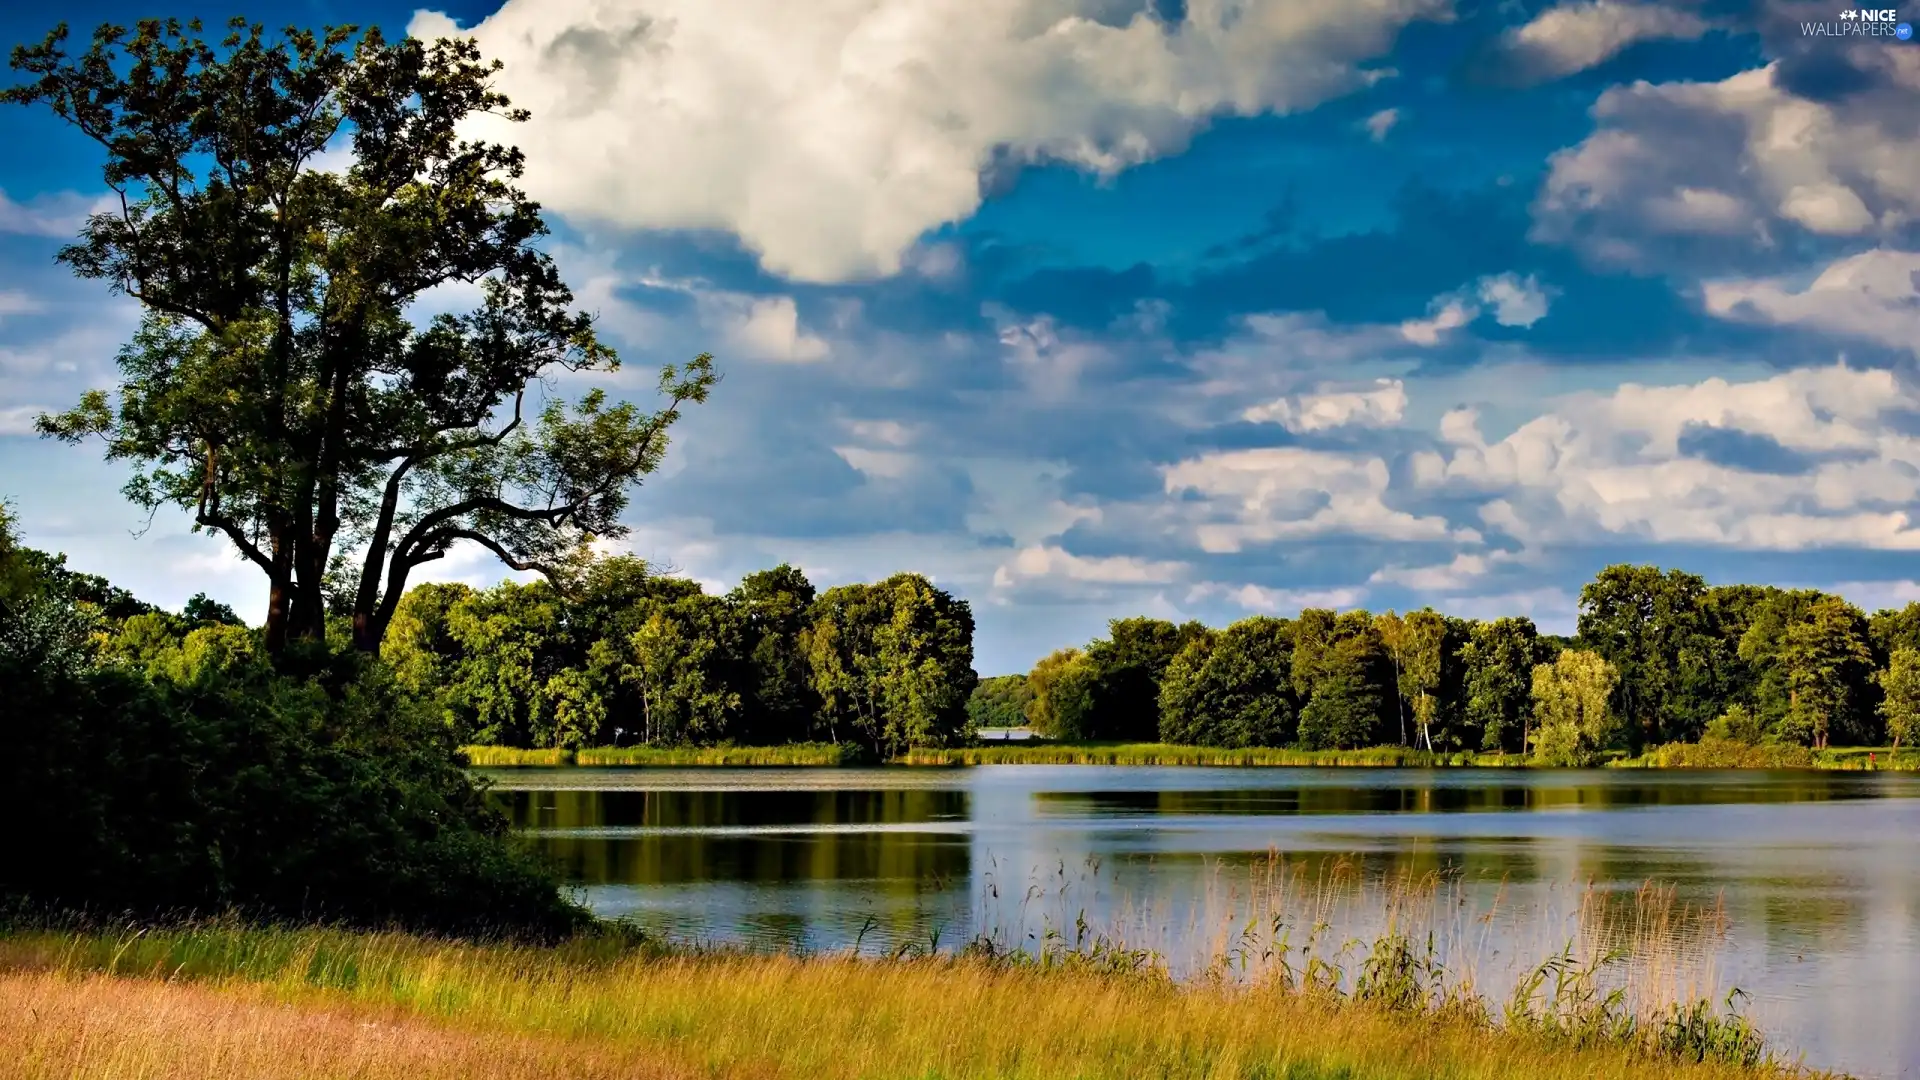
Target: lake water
1800, 889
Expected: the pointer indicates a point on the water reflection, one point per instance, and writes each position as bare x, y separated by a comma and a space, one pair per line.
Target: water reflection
1802, 889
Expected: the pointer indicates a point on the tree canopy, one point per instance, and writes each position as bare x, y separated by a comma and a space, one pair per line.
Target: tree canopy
279, 388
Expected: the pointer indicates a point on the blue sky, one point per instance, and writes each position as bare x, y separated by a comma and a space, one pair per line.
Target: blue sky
1091, 308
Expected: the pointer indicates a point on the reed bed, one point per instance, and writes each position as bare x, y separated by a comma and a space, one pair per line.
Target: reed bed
1295, 968
503, 757
1093, 753
1726, 754
227, 1001
796, 754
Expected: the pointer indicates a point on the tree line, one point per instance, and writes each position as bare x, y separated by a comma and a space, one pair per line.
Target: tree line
1659, 657
625, 656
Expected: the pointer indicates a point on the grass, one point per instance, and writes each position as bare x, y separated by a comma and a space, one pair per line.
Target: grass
228, 1001
1712, 754
1727, 754
795, 754
1099, 753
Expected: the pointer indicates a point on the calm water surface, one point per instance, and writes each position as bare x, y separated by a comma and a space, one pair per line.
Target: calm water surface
1815, 877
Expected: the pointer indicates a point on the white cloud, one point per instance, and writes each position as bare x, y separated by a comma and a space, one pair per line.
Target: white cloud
55, 214
1269, 601
1873, 295
766, 327
1580, 34
1516, 301
1721, 168
13, 302
1599, 464
1042, 562
1465, 568
1022, 500
830, 136
1380, 123
1254, 497
878, 464
1446, 314
1326, 409
18, 419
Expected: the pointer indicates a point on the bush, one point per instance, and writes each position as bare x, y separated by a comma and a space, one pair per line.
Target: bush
205, 782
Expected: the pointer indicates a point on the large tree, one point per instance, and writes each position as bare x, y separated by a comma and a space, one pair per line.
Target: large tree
1232, 688
278, 389
1572, 702
1498, 661
1654, 629
1128, 665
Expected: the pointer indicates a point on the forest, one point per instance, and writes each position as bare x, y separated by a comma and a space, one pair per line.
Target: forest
1659, 657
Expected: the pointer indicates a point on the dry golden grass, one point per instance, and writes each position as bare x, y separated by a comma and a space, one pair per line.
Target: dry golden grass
226, 1003
98, 1027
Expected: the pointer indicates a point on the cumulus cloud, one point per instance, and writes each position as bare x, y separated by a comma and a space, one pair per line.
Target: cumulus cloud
1631, 463
1575, 36
1326, 409
1516, 301
1873, 295
1447, 313
1380, 123
1256, 497
830, 136
1464, 569
1050, 562
1724, 172
1269, 601
768, 328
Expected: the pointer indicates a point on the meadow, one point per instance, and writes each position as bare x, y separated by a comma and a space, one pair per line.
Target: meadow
219, 1001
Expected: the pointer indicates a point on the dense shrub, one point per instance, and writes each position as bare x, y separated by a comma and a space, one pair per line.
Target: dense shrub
201, 780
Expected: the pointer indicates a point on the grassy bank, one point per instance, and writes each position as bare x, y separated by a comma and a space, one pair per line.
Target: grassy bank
796, 754
230, 1002
1724, 754
1708, 755
1093, 753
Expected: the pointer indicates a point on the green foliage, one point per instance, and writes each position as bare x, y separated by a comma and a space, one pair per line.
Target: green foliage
1901, 706
1828, 671
1498, 659
999, 702
1231, 689
277, 390
892, 663
1714, 752
1128, 666
780, 705
1653, 628
684, 662
1062, 689
1352, 687
1738, 725
178, 772
1572, 709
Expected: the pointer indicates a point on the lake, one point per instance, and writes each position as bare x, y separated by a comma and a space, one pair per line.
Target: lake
1800, 889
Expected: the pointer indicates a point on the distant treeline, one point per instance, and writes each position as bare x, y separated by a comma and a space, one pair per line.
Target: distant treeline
1660, 657
629, 657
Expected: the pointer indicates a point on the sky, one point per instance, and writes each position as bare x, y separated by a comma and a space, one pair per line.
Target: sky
1098, 308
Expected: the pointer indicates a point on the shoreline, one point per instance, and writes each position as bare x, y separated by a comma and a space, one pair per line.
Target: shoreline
1680, 757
